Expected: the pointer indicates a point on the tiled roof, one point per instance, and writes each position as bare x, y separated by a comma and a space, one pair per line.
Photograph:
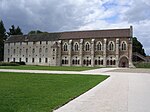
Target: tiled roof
71, 35
96, 34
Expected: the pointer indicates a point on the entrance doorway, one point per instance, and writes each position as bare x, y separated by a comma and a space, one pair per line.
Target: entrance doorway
124, 62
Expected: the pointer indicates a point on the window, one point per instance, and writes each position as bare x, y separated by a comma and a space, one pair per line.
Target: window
87, 46
40, 42
26, 60
99, 46
33, 50
46, 50
87, 61
39, 60
20, 51
19, 59
20, 43
75, 61
14, 51
98, 61
111, 46
32, 60
123, 46
13, 59
26, 51
40, 50
46, 42
26, 43
65, 47
8, 60
46, 60
8, 51
76, 47
65, 60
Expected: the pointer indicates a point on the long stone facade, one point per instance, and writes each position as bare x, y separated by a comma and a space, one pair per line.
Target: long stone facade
101, 48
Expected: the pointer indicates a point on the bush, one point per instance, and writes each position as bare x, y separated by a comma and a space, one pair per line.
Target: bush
8, 64
142, 64
20, 63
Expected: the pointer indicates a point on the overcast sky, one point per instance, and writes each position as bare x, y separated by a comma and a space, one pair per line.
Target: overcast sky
64, 15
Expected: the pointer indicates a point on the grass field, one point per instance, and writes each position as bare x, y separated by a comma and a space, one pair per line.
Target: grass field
57, 68
25, 92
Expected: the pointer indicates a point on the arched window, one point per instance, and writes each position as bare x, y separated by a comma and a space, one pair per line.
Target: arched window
99, 46
76, 47
87, 46
65, 47
123, 46
111, 46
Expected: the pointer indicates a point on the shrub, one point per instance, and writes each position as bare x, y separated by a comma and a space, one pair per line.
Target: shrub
8, 64
142, 64
20, 63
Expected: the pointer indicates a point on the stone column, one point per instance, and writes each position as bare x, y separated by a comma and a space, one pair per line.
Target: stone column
59, 53
81, 52
69, 53
92, 52
117, 52
130, 47
104, 52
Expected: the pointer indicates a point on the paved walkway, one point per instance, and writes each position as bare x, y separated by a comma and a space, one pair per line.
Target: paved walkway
121, 92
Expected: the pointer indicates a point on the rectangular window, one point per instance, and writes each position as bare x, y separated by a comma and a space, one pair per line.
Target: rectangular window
39, 60
13, 59
34, 42
46, 60
32, 60
8, 60
40, 42
26, 60
19, 59
46, 42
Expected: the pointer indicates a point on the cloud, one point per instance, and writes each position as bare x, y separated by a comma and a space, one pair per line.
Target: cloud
64, 15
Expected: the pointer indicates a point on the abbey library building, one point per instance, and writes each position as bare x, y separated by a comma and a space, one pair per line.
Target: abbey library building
101, 48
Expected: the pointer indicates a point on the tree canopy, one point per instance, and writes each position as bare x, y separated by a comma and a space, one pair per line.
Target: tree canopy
35, 32
138, 47
2, 39
14, 31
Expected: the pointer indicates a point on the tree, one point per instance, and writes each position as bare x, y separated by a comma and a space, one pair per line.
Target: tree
35, 32
138, 47
14, 31
2, 39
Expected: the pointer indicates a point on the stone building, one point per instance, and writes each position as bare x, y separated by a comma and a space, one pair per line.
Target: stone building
111, 47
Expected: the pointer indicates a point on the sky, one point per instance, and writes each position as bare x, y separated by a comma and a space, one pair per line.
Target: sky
68, 15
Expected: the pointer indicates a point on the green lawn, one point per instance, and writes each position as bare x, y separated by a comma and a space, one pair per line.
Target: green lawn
57, 68
25, 92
